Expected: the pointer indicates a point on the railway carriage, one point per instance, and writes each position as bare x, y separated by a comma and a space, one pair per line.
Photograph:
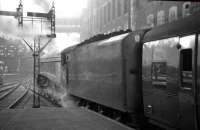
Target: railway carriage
150, 75
171, 70
2, 64
104, 73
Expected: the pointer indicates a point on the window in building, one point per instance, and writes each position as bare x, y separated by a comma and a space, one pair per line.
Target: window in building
119, 28
109, 11
98, 19
118, 8
126, 6
95, 23
113, 9
91, 22
102, 18
173, 13
113, 30
161, 17
125, 27
105, 13
186, 9
150, 20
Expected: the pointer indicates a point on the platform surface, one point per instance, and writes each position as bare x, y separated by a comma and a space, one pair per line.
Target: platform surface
56, 119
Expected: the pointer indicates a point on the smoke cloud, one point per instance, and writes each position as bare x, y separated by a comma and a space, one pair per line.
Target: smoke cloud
45, 4
9, 25
9, 28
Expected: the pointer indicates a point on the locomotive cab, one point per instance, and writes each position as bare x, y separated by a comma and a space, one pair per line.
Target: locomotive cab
171, 68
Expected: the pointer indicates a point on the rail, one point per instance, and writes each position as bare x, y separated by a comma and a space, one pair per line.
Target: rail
8, 90
55, 103
18, 100
19, 95
8, 84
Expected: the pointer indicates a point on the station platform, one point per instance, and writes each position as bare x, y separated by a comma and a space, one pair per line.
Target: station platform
72, 118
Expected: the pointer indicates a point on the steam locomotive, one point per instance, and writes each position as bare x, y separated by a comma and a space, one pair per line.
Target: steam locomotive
150, 75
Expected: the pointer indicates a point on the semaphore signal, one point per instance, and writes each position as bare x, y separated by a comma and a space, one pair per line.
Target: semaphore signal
34, 16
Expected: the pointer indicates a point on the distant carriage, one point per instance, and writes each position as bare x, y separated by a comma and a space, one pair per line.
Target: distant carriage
2, 64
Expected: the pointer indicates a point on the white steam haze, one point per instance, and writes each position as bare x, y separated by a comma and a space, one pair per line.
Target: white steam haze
61, 42
64, 9
9, 24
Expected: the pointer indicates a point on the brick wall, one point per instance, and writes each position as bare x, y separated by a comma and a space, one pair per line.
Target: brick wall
104, 16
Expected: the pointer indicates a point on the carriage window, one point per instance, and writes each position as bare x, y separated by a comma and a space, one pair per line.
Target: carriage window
186, 68
63, 59
186, 56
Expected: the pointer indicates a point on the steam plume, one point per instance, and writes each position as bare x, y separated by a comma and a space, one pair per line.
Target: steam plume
43, 3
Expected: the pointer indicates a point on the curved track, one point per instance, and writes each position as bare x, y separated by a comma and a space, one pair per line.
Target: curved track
7, 90
10, 95
19, 100
20, 95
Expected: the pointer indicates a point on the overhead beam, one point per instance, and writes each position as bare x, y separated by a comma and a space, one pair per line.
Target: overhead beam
35, 14
8, 13
177, 0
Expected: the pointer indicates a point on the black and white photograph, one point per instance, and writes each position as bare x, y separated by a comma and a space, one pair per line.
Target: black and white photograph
99, 64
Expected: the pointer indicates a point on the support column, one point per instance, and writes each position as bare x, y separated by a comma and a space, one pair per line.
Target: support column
36, 56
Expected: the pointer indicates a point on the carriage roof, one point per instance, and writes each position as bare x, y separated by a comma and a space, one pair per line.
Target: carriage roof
181, 27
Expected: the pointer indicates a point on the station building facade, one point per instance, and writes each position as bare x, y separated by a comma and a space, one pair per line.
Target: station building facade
105, 16
11, 53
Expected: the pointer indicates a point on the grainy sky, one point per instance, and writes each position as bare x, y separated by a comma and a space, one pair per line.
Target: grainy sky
64, 8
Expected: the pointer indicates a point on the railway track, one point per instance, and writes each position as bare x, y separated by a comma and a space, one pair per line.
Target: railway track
10, 94
20, 100
8, 84
17, 95
26, 101
7, 90
45, 102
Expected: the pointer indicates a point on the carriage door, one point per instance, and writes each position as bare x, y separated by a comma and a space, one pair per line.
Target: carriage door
186, 88
160, 81
198, 84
